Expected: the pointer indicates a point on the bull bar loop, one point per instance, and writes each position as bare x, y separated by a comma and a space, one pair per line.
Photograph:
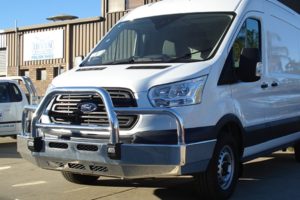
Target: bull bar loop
112, 112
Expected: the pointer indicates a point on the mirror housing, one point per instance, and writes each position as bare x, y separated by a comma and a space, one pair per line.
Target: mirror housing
78, 61
250, 66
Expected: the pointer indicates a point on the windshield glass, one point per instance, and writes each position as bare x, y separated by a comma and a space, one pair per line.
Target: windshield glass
169, 38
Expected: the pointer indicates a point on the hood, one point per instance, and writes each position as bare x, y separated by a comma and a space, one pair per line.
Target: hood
138, 77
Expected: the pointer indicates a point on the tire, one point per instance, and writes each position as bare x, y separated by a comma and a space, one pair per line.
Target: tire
297, 151
221, 176
80, 178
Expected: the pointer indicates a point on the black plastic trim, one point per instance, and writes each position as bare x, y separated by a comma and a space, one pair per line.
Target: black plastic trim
90, 69
149, 67
264, 132
192, 135
11, 122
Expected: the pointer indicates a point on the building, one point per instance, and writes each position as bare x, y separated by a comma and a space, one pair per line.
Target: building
44, 51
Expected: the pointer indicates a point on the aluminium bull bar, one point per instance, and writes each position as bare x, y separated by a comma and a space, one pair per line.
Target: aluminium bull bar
120, 160
113, 128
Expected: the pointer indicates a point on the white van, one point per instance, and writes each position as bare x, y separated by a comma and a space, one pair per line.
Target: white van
12, 102
178, 87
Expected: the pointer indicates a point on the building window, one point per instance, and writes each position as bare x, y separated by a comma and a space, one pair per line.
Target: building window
57, 71
24, 72
41, 74
116, 5
131, 4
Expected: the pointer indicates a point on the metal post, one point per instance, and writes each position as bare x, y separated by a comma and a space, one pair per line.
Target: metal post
17, 50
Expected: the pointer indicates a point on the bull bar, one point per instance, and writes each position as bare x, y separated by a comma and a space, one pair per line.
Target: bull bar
113, 158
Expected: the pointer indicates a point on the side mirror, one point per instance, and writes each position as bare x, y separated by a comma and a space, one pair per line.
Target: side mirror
250, 66
78, 60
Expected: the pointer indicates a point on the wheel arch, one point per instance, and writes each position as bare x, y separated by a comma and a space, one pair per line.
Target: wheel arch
230, 124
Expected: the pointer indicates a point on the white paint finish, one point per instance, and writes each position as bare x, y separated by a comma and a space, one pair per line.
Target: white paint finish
29, 184
283, 52
182, 6
249, 99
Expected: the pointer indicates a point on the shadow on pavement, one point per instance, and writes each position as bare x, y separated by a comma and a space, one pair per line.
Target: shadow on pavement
274, 177
168, 188
8, 149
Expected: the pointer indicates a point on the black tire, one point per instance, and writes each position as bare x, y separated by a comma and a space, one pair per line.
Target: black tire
297, 151
222, 174
80, 178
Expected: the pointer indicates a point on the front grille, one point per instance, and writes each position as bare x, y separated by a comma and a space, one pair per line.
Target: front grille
66, 109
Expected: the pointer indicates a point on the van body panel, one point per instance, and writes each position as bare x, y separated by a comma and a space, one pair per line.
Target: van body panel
184, 6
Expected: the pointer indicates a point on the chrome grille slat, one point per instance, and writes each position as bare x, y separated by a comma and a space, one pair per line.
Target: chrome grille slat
65, 109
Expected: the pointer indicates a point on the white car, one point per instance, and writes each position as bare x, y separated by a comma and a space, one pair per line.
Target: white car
177, 87
12, 102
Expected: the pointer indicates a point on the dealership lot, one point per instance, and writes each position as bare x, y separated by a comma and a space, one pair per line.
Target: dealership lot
273, 177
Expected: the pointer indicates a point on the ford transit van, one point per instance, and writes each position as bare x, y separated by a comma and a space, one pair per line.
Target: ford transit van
178, 87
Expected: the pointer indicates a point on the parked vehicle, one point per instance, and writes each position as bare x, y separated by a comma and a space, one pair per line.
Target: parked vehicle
13, 99
187, 87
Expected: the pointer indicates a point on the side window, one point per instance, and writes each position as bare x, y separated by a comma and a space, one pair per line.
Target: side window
4, 93
15, 93
249, 37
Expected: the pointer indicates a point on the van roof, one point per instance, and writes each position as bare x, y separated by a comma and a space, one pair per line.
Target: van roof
166, 7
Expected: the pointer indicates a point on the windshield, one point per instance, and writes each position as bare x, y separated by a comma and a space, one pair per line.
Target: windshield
169, 38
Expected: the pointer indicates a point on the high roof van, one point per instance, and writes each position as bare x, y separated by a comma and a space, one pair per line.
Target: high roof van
178, 87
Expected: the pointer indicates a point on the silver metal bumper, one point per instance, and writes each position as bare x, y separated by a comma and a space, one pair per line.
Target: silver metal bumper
113, 158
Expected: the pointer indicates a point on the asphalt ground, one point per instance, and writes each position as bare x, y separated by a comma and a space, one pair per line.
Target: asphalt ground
274, 177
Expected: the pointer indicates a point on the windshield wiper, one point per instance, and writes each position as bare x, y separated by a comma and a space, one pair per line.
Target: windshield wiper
135, 59
189, 55
129, 60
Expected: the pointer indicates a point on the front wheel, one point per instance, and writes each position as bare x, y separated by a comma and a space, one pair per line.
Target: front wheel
80, 178
220, 179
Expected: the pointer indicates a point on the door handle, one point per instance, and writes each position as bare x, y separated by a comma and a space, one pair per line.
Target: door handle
264, 85
274, 84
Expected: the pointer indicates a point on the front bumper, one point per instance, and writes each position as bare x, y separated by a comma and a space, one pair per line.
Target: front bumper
95, 157
137, 160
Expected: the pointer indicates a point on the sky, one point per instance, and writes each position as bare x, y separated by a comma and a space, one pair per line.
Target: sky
33, 12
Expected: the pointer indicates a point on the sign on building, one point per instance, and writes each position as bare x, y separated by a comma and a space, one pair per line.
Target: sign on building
44, 45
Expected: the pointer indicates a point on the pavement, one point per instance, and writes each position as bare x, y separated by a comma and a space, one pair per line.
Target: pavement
274, 177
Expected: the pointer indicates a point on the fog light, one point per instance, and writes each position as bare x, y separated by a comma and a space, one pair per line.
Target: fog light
35, 144
114, 151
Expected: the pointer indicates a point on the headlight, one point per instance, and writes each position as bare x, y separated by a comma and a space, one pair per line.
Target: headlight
178, 94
